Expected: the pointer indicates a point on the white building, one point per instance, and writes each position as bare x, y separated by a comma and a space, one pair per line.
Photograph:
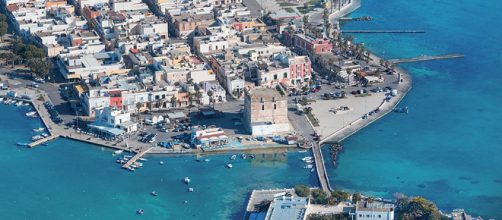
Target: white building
374, 211
114, 118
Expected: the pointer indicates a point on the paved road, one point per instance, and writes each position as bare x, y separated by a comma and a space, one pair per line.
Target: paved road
254, 7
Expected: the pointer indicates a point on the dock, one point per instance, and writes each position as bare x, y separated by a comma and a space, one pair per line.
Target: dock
383, 31
136, 157
426, 58
43, 140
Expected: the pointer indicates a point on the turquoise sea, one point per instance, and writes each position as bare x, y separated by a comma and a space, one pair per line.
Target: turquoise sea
73, 180
448, 148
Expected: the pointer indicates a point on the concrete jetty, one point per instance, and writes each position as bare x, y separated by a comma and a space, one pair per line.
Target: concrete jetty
43, 140
322, 175
136, 157
426, 58
383, 31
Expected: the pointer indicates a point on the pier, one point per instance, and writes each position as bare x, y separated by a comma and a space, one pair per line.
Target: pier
383, 31
136, 157
321, 168
43, 140
426, 58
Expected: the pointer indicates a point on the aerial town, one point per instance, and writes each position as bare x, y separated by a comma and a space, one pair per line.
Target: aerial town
201, 77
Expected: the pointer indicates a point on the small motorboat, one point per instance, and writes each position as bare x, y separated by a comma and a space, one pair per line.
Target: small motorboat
252, 156
22, 144
38, 129
161, 162
45, 144
207, 160
142, 159
190, 189
140, 212
229, 165
312, 170
186, 180
153, 193
233, 157
243, 156
118, 151
131, 169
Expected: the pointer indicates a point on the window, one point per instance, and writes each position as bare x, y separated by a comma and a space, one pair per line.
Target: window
379, 216
262, 107
285, 75
275, 106
275, 76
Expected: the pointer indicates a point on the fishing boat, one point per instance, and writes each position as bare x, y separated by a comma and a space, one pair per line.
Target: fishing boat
233, 157
153, 193
186, 180
229, 165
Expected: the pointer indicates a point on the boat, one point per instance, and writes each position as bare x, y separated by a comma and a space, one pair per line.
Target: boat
306, 158
131, 169
153, 193
243, 156
401, 110
142, 159
186, 180
207, 160
140, 212
38, 129
233, 157
118, 151
45, 135
229, 165
161, 162
252, 156
19, 103
309, 166
22, 144
31, 114
302, 151
312, 170
45, 144
36, 138
190, 189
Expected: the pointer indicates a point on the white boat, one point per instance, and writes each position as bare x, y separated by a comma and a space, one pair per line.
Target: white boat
186, 180
31, 114
38, 129
229, 165
131, 169
243, 156
118, 151
312, 170
207, 160
21, 144
142, 159
36, 138
233, 157
190, 189
307, 158
153, 193
308, 166
19, 103
45, 135
302, 151
161, 162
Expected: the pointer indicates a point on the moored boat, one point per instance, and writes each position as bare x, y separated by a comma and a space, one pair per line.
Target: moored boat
186, 180
229, 165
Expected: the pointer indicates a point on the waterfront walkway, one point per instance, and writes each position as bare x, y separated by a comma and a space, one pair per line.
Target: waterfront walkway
322, 175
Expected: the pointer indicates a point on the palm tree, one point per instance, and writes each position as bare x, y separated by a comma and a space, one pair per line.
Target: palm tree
211, 98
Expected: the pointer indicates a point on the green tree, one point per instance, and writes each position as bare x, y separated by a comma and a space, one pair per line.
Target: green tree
302, 190
340, 196
319, 197
356, 197
173, 101
417, 208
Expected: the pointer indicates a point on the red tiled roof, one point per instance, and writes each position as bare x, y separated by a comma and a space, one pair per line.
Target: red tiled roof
12, 7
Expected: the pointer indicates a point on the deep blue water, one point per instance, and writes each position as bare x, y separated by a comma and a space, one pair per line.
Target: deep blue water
448, 148
73, 180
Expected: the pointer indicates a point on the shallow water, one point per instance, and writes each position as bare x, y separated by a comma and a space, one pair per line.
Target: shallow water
73, 180
447, 149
